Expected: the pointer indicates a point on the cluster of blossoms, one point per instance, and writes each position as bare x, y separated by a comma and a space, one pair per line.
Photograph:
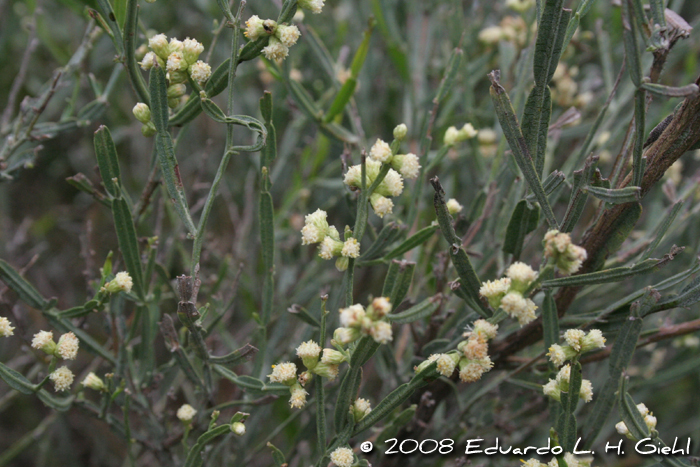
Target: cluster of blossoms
564, 254
6, 330
343, 457
507, 292
356, 320
649, 421
286, 373
577, 343
471, 356
405, 165
66, 348
179, 59
570, 459
317, 230
122, 282
454, 135
282, 36
555, 387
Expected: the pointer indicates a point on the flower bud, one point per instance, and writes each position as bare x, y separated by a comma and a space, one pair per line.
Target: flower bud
94, 382
288, 35
360, 409
238, 428
175, 46
315, 6
326, 371
43, 340
345, 336
400, 131
148, 130
159, 44
332, 357
298, 399
176, 91
254, 28
142, 113
191, 50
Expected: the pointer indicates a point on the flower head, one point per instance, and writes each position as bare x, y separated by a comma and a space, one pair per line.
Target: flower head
592, 341
345, 336
381, 204
453, 206
122, 282
475, 349
519, 307
43, 340
200, 72
6, 330
176, 62
159, 44
285, 373
574, 337
380, 151
400, 131
315, 228
360, 408
521, 274
298, 398
275, 50
288, 35
494, 291
407, 165
308, 349
332, 357
150, 60
472, 370
381, 307
142, 113
352, 316
68, 346
446, 364
484, 329
254, 28
392, 185
567, 256
176, 45
381, 332
191, 50
93, 381
62, 378
558, 354
351, 248
343, 457
315, 6
186, 413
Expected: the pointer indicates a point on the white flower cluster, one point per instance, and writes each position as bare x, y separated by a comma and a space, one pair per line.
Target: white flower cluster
179, 59
326, 366
66, 349
649, 421
317, 230
471, 356
454, 135
406, 164
507, 293
356, 320
567, 256
577, 342
390, 186
555, 387
282, 36
286, 373
342, 457
122, 282
6, 330
570, 459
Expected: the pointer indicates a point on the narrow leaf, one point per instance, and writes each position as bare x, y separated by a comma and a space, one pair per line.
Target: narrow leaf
628, 194
107, 161
128, 243
523, 221
26, 291
419, 311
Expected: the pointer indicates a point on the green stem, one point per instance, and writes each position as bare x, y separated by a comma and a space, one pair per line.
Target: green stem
228, 152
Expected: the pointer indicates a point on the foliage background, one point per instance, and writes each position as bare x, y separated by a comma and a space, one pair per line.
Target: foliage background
61, 236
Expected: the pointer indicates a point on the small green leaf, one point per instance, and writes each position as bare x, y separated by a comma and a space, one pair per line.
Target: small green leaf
128, 242
523, 221
628, 194
638, 163
26, 291
277, 456
453, 67
630, 37
62, 404
403, 283
670, 91
107, 161
15, 379
412, 242
419, 311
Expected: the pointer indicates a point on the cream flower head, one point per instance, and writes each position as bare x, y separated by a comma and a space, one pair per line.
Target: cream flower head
68, 346
6, 330
283, 373
186, 413
62, 378
342, 457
